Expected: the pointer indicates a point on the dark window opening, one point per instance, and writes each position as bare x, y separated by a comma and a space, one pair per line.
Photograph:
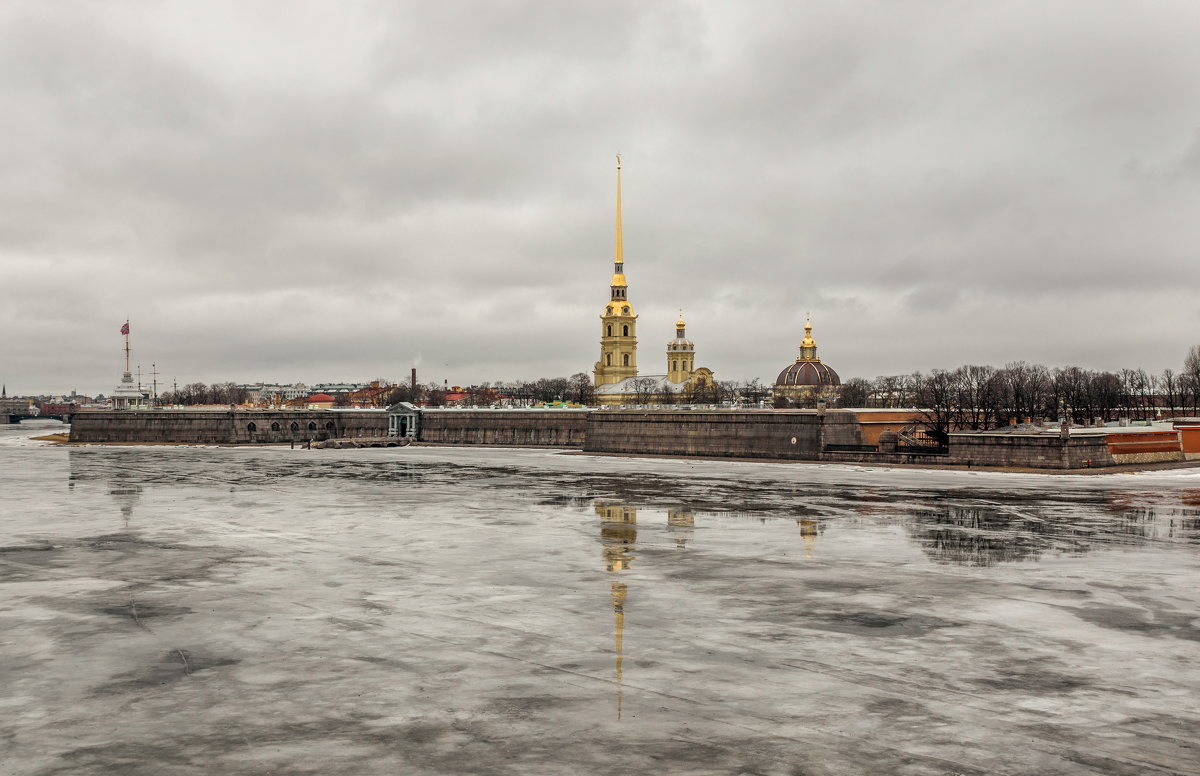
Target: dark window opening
274, 426
251, 427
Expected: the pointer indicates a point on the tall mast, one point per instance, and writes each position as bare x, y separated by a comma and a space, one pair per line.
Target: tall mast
126, 345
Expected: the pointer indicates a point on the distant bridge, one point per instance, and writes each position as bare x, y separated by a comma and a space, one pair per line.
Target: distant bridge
62, 412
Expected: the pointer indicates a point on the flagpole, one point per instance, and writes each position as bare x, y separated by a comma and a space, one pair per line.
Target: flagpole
126, 345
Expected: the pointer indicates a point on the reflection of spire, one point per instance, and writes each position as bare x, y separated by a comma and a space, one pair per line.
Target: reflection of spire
680, 523
808, 533
619, 593
618, 534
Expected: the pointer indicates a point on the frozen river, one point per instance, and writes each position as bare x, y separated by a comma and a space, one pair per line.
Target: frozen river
186, 610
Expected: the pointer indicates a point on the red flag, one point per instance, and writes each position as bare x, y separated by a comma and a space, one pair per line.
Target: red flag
125, 328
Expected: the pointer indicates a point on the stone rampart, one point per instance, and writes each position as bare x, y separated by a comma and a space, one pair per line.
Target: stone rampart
797, 434
224, 426
1036, 451
517, 428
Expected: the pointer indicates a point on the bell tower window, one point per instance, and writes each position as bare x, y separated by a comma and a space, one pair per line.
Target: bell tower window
625, 360
608, 359
608, 332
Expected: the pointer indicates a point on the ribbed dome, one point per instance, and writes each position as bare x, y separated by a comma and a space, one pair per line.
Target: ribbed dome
808, 373
680, 344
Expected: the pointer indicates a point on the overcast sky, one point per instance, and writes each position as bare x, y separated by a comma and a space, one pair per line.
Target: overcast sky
293, 191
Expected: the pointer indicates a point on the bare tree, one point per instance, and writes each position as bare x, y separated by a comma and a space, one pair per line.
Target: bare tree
581, 389
856, 392
643, 389
935, 396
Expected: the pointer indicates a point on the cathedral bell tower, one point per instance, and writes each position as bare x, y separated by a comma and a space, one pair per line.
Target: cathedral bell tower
681, 355
618, 322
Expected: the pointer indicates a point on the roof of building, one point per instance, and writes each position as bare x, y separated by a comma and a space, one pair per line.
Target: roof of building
807, 370
661, 384
807, 373
320, 397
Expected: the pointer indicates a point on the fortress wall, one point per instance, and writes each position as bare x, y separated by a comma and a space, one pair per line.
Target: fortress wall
223, 426
516, 428
799, 434
1029, 451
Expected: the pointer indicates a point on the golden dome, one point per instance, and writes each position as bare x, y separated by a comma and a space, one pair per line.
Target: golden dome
808, 341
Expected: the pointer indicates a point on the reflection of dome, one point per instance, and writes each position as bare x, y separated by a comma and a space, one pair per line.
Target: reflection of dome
808, 373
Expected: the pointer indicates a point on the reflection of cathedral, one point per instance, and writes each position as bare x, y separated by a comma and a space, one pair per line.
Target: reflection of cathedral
618, 534
618, 542
808, 534
681, 524
616, 373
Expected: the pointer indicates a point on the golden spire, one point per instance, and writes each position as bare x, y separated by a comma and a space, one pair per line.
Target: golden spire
620, 254
679, 324
617, 284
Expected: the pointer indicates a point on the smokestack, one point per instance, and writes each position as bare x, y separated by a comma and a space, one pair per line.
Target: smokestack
414, 378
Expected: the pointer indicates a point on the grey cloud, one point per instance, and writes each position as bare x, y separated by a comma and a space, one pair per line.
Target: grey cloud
345, 188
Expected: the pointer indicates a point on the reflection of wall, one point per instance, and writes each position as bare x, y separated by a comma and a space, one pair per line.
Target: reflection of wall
979, 537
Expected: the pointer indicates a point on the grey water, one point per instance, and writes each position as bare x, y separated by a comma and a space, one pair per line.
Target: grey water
421, 610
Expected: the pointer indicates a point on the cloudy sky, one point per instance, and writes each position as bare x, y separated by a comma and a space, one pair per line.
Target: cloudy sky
337, 191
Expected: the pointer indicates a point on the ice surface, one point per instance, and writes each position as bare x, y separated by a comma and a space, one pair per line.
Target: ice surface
169, 610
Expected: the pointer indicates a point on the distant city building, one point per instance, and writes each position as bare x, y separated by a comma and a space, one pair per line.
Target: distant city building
320, 401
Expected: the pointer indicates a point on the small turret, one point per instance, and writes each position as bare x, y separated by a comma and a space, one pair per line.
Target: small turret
681, 354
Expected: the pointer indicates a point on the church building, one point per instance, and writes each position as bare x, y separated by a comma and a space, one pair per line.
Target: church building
807, 380
616, 373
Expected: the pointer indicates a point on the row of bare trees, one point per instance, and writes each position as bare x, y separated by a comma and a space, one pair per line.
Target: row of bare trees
983, 397
579, 389
199, 393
